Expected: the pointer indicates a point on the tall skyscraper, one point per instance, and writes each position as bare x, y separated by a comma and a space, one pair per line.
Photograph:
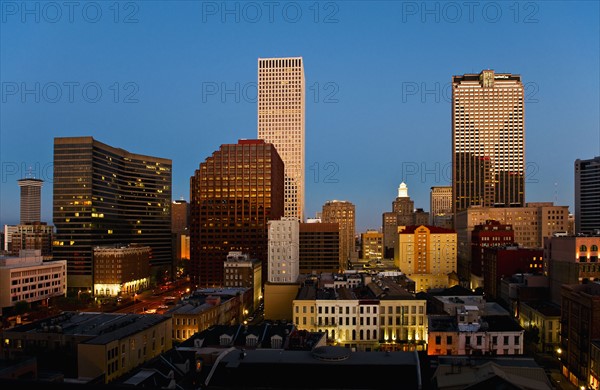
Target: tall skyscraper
105, 195
343, 213
587, 196
488, 140
281, 94
31, 200
234, 194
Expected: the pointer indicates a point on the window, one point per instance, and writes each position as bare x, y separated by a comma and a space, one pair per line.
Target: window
516, 340
505, 340
479, 340
594, 248
438, 340
448, 339
583, 248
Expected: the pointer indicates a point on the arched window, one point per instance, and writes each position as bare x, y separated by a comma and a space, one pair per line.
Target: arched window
594, 248
583, 248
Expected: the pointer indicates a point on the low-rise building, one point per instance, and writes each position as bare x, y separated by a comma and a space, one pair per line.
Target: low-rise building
121, 269
87, 345
31, 279
542, 318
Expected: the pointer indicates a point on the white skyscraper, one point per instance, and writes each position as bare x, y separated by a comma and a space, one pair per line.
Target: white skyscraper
281, 93
284, 252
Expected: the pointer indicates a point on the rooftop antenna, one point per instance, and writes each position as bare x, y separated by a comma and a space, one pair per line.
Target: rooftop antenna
29, 173
555, 193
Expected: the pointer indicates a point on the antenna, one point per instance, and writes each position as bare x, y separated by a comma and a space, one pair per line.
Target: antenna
29, 173
555, 193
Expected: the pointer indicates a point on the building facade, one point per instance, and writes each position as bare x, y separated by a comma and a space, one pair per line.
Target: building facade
403, 214
427, 255
243, 272
31, 200
319, 247
31, 279
371, 244
530, 225
488, 140
440, 206
33, 236
281, 122
500, 262
234, 194
344, 214
570, 260
121, 269
490, 234
105, 195
587, 196
284, 250
580, 325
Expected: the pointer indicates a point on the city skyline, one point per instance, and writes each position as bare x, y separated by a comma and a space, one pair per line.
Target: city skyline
370, 124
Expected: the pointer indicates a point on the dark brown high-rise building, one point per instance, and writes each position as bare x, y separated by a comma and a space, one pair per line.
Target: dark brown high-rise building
105, 195
234, 194
343, 213
180, 215
488, 140
319, 247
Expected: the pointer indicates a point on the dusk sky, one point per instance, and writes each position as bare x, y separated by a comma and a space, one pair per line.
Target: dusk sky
176, 79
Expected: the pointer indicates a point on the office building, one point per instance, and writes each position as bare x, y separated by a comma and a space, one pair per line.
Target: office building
587, 196
31, 200
105, 195
234, 194
32, 236
488, 140
281, 122
284, 250
489, 234
243, 272
343, 213
319, 248
440, 206
31, 279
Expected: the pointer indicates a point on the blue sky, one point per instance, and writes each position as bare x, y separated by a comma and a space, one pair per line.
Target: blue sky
176, 79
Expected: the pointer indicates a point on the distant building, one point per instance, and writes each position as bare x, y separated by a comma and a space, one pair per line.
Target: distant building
284, 250
242, 271
570, 260
319, 247
31, 200
403, 214
489, 234
33, 236
427, 255
371, 244
121, 269
344, 214
281, 122
31, 279
587, 196
499, 262
530, 225
488, 140
231, 208
440, 206
105, 195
